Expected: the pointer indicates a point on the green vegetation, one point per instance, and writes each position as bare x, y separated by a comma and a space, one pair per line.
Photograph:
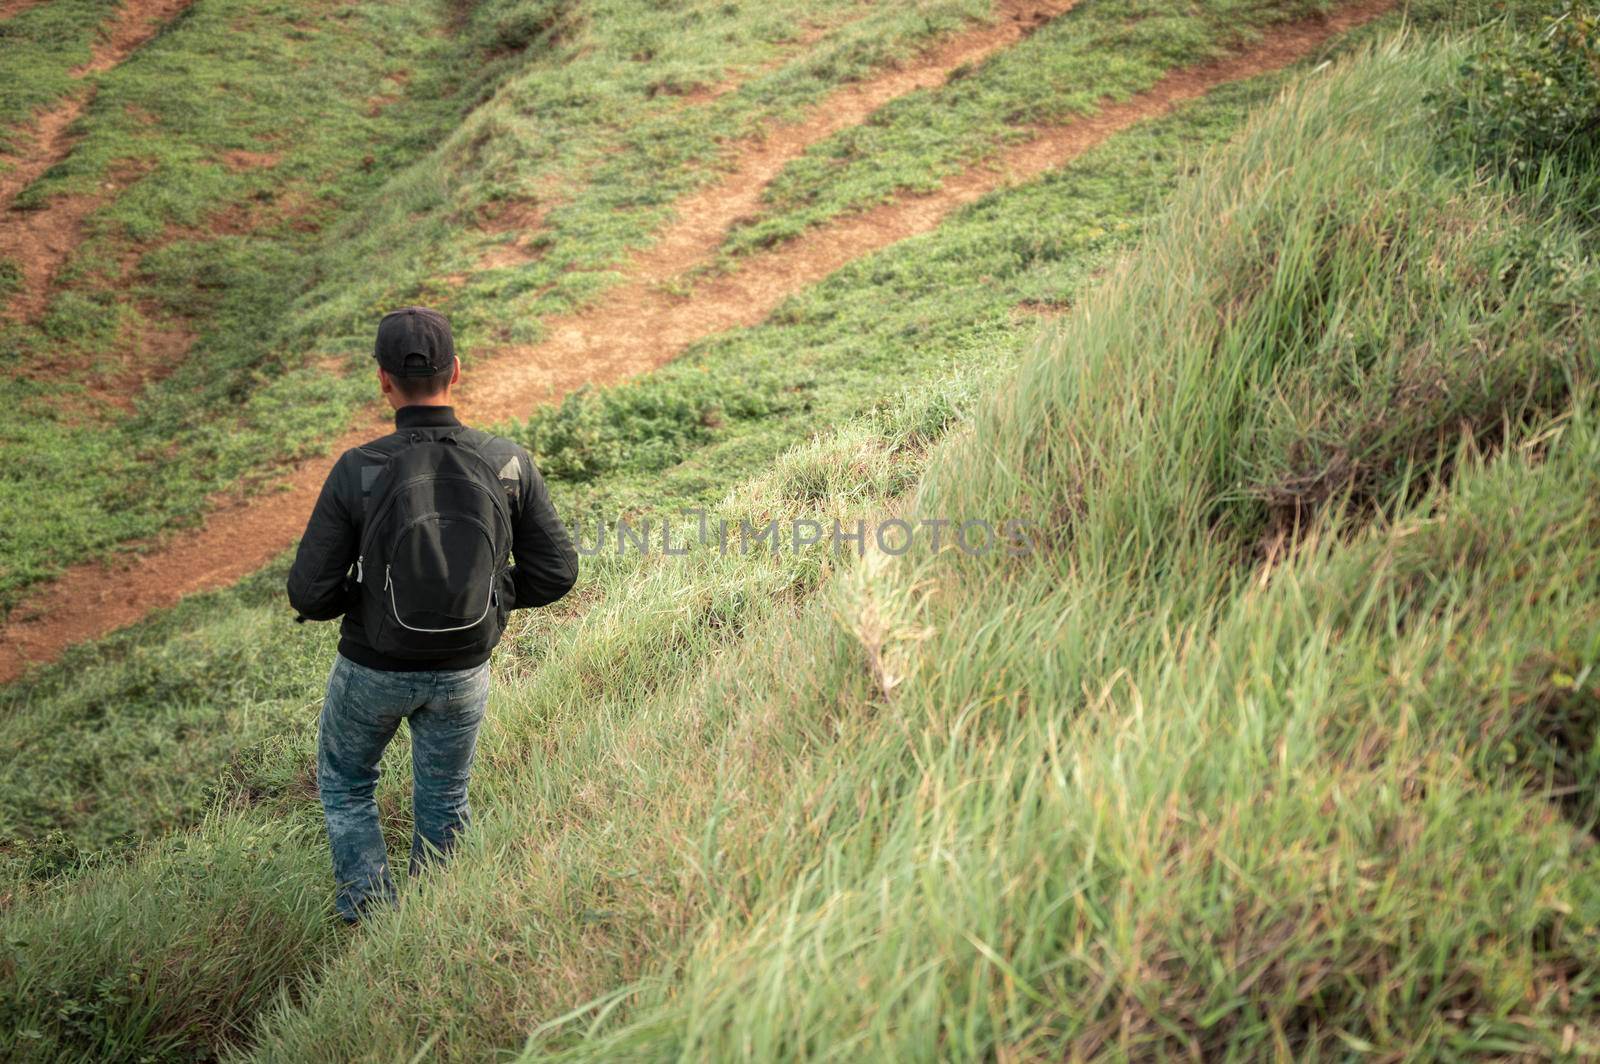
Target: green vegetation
1280, 744
185, 913
208, 203
222, 682
1195, 779
916, 312
370, 178
369, 174
1099, 51
1533, 100
1112, 49
154, 716
10, 278
125, 740
39, 48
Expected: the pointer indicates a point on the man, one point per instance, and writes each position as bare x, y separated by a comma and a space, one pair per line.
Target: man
424, 540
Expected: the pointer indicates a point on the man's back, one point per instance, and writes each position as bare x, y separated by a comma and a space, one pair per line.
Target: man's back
544, 562
438, 540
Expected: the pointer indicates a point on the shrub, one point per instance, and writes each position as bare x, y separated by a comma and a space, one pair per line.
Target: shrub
646, 426
1522, 99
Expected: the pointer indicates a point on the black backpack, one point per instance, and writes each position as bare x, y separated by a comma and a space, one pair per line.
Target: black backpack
435, 545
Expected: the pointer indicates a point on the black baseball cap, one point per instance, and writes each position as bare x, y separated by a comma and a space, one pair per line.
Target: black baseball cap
414, 342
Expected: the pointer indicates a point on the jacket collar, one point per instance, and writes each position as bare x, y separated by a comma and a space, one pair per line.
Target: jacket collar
425, 417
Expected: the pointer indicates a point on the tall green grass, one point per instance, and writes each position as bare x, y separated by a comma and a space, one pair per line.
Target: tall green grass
1282, 743
124, 741
152, 953
1191, 780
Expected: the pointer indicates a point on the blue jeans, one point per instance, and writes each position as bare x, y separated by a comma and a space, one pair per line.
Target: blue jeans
359, 716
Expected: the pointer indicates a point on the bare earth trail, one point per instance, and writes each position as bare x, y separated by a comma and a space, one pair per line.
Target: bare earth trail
638, 326
655, 326
16, 7
40, 240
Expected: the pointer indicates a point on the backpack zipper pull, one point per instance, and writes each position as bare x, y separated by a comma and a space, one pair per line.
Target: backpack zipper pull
359, 560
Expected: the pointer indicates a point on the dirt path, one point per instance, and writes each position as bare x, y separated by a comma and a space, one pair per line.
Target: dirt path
637, 328
16, 7
40, 240
606, 345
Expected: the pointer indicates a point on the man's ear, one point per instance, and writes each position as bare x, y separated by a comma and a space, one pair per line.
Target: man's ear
384, 383
455, 374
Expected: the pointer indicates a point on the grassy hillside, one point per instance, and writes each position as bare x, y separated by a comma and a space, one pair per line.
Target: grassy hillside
486, 159
43, 44
1283, 745
200, 210
1280, 743
125, 740
351, 159
1070, 68
157, 714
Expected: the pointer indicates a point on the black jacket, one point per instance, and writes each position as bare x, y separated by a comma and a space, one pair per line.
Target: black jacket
544, 565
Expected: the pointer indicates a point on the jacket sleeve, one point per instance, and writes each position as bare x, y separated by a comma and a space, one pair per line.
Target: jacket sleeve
317, 588
544, 565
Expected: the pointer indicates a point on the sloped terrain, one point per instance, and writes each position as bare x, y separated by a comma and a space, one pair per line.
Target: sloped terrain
647, 320
200, 267
1204, 774
1278, 742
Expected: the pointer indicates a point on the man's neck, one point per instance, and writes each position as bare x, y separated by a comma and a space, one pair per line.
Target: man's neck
425, 415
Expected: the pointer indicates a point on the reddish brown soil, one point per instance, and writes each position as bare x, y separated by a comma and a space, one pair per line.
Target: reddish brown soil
40, 240
522, 222
639, 326
16, 7
704, 217
238, 159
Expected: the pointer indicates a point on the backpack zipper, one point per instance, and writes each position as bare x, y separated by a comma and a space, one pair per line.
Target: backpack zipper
388, 585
